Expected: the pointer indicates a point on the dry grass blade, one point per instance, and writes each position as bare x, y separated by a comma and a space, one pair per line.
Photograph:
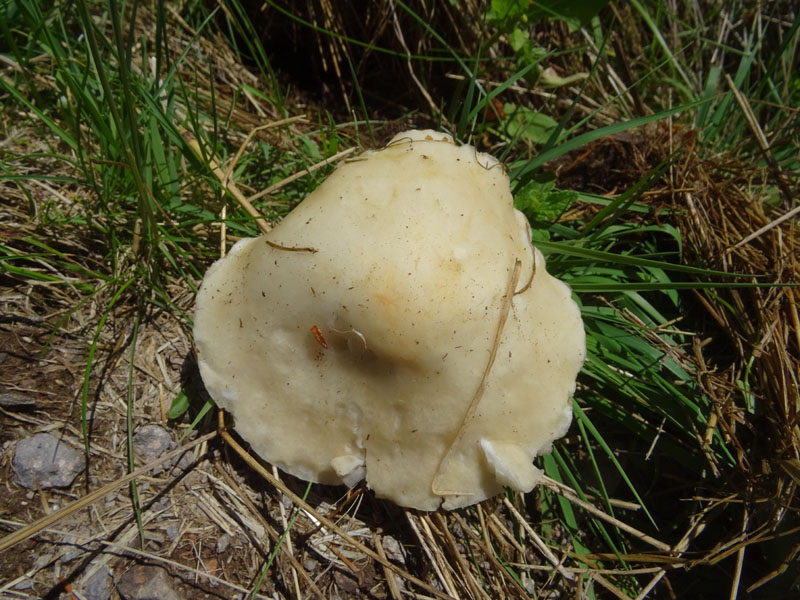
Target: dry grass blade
273, 534
467, 575
502, 573
230, 186
732, 225
763, 143
570, 495
431, 549
761, 230
323, 163
250, 135
548, 554
394, 590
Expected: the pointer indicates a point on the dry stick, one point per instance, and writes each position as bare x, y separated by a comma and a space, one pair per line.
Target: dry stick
271, 532
256, 466
47, 520
590, 570
538, 541
446, 583
324, 162
438, 551
288, 538
505, 533
475, 537
737, 577
243, 145
230, 186
469, 578
765, 228
394, 590
398, 31
790, 558
123, 549
610, 587
763, 144
493, 557
651, 584
570, 495
695, 528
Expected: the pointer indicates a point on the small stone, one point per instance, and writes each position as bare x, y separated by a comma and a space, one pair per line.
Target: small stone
42, 561
71, 555
152, 442
346, 583
184, 462
393, 549
161, 504
223, 542
142, 582
172, 531
25, 584
47, 461
99, 585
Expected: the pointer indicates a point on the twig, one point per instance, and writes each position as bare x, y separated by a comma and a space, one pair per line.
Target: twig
493, 556
230, 186
243, 145
765, 228
651, 584
548, 554
324, 162
467, 574
763, 144
610, 587
288, 545
570, 495
236, 492
394, 590
737, 576
448, 585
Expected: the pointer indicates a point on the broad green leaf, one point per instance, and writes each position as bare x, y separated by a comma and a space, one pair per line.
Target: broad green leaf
524, 123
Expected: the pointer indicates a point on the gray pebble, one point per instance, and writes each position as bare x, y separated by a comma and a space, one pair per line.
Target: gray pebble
223, 542
393, 549
172, 531
46, 460
24, 585
152, 442
71, 555
99, 585
143, 582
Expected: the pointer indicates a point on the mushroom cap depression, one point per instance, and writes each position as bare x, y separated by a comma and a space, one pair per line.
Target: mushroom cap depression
397, 326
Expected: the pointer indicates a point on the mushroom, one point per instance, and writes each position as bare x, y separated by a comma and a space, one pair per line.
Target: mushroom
398, 326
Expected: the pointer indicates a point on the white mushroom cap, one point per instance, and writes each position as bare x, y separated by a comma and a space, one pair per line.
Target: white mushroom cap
397, 325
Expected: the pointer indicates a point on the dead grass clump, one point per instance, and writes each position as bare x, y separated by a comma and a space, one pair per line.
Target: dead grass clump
728, 212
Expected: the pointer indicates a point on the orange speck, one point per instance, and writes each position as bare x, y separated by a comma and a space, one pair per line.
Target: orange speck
318, 336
